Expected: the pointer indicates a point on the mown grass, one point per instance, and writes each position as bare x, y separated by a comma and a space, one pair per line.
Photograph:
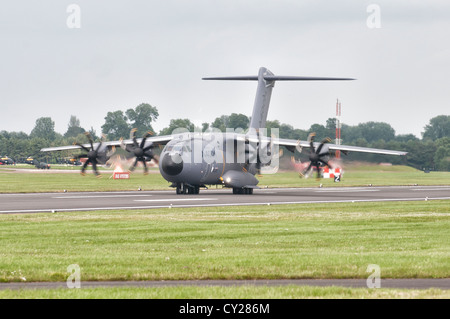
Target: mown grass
50, 181
58, 182
406, 239
241, 292
361, 175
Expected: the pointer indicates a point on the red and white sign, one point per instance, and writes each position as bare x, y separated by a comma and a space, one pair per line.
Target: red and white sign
121, 175
331, 173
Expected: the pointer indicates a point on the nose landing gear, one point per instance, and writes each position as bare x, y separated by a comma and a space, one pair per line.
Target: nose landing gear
183, 188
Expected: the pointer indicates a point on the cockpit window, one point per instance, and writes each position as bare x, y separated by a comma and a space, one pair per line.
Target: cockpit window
179, 148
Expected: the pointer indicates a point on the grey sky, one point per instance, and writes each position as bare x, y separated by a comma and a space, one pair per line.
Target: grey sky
129, 52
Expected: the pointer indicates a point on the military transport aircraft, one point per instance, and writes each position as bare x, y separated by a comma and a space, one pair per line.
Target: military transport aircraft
190, 160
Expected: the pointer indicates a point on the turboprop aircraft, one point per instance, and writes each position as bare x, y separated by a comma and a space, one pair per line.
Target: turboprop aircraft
190, 160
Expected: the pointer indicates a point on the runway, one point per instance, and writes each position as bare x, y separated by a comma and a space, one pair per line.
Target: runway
89, 201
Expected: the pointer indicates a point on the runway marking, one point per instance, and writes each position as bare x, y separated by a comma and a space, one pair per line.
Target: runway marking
173, 199
431, 189
100, 196
61, 193
346, 190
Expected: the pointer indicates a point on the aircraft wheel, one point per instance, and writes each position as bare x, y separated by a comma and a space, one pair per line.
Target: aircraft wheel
181, 188
238, 190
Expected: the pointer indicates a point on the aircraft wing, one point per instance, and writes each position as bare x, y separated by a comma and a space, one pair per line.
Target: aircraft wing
291, 144
164, 139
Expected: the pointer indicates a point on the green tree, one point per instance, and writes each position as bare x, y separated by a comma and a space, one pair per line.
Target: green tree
141, 118
350, 134
221, 123
238, 121
74, 129
331, 127
406, 137
374, 131
205, 126
178, 124
93, 134
44, 128
271, 125
299, 134
421, 153
320, 130
439, 127
442, 154
116, 126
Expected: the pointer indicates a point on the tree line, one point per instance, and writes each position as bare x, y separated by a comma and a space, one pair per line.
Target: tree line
431, 151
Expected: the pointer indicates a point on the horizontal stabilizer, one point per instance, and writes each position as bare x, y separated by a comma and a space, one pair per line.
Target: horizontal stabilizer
303, 78
277, 78
266, 81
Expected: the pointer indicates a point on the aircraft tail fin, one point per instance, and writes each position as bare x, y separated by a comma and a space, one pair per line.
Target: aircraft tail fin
266, 81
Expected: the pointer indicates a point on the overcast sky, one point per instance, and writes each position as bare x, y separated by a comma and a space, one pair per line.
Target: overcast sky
129, 52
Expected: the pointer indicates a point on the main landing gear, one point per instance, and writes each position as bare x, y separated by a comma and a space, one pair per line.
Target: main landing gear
240, 190
183, 188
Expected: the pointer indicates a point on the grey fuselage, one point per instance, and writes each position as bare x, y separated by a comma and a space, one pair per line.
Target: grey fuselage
201, 159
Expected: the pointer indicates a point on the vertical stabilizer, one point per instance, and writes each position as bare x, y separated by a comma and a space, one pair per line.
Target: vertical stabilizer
262, 100
266, 81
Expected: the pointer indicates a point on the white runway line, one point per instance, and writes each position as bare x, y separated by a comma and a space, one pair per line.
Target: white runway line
346, 190
431, 189
100, 196
173, 199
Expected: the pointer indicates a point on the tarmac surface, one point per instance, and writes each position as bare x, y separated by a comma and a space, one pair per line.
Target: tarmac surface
350, 283
89, 201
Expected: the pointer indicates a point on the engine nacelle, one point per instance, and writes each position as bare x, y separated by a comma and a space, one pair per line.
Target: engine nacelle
239, 179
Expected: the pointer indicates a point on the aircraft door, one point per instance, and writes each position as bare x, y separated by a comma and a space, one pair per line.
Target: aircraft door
212, 165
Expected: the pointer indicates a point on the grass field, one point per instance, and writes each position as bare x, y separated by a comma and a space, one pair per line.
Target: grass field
360, 175
406, 239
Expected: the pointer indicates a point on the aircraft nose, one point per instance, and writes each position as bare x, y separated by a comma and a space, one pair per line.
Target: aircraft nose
172, 164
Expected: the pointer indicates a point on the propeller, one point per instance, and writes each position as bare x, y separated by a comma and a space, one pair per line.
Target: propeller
141, 152
317, 156
95, 155
261, 155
